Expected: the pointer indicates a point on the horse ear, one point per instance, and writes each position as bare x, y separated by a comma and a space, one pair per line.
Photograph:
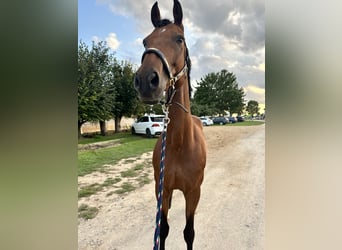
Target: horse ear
177, 12
155, 14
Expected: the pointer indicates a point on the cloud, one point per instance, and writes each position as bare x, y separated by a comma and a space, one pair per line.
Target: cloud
239, 21
139, 10
256, 90
255, 93
112, 41
220, 34
96, 39
261, 67
138, 41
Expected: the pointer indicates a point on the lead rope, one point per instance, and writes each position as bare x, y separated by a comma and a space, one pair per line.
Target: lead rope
161, 179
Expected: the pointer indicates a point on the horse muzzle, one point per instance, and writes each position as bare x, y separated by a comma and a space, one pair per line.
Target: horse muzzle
148, 85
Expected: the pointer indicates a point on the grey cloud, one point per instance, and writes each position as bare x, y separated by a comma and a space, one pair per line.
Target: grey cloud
207, 16
216, 57
215, 41
212, 17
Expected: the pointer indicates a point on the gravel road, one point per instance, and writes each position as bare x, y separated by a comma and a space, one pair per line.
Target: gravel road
230, 214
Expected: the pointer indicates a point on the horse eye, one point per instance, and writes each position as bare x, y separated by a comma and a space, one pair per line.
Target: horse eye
180, 39
144, 43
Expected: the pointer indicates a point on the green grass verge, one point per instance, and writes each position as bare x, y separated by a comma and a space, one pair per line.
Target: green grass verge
99, 138
130, 146
246, 123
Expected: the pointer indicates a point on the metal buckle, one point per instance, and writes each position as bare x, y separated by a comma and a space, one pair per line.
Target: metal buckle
172, 82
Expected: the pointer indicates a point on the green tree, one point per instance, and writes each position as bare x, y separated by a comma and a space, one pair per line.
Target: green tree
201, 109
95, 90
217, 93
126, 98
252, 107
237, 104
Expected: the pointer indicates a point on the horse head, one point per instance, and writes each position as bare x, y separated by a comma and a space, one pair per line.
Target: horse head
165, 59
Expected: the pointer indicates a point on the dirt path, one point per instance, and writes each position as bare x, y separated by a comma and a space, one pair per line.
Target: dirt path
230, 214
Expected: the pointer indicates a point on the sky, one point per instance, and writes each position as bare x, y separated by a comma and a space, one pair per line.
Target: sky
220, 34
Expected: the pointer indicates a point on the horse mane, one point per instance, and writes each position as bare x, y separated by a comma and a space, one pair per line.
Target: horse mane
188, 64
164, 22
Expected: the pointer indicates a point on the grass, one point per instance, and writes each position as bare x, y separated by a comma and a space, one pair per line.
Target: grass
144, 179
129, 173
125, 188
139, 167
246, 123
89, 190
130, 146
110, 181
86, 212
94, 188
95, 159
129, 161
99, 138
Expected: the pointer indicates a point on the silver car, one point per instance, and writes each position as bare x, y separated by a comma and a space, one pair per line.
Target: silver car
206, 121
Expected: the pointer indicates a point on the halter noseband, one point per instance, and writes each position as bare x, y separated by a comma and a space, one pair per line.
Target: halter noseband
173, 79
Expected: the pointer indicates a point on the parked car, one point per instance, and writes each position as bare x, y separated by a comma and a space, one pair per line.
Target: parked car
240, 119
220, 120
231, 119
206, 121
150, 125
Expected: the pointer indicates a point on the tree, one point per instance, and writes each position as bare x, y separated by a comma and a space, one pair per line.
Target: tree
237, 104
126, 98
201, 109
252, 107
217, 93
95, 90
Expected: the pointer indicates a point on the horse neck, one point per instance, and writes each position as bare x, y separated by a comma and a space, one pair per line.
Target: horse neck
180, 121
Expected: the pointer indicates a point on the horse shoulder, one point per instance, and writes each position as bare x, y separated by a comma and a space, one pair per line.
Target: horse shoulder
198, 129
199, 137
197, 122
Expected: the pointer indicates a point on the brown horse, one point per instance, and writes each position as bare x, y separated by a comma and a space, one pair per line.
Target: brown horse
166, 69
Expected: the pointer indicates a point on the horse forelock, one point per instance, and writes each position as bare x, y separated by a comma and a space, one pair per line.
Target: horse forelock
163, 23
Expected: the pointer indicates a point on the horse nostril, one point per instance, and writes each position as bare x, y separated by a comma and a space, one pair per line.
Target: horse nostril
154, 80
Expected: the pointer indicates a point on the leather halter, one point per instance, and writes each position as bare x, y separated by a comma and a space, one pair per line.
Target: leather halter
173, 79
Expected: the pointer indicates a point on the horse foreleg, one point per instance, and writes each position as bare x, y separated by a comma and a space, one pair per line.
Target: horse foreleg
164, 225
164, 230
189, 232
191, 200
